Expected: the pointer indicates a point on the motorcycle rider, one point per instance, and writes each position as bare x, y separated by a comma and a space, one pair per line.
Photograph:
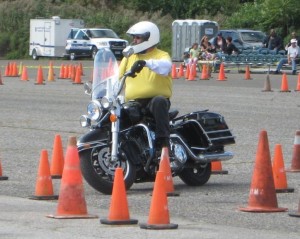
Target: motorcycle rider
152, 87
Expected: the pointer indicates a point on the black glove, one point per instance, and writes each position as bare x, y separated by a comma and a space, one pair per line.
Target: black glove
137, 67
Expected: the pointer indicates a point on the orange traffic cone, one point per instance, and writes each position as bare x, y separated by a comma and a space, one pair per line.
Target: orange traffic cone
77, 76
284, 84
187, 72
295, 166
10, 69
7, 69
50, 72
204, 73
298, 83
24, 75
159, 213
81, 69
62, 71
71, 201
191, 73
14, 70
44, 187
73, 73
194, 69
267, 87
174, 72
164, 166
216, 168
297, 213
279, 174
180, 72
57, 162
222, 76
247, 73
66, 72
118, 211
1, 173
262, 196
40, 76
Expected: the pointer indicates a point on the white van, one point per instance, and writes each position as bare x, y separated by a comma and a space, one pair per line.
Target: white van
86, 42
48, 36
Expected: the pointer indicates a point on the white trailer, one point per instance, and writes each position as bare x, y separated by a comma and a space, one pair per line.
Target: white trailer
48, 36
187, 32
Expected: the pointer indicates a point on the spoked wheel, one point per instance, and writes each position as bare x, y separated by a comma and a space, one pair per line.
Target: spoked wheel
98, 170
196, 176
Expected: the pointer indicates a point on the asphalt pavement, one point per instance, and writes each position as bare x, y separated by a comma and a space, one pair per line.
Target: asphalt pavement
31, 115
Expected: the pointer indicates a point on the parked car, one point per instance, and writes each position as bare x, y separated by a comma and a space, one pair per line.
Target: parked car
244, 38
86, 42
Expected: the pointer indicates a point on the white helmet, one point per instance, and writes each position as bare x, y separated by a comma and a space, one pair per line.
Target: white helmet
148, 31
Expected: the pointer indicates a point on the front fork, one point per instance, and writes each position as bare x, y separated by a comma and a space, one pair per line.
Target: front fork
115, 129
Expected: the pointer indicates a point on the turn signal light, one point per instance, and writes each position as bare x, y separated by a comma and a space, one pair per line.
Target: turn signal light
113, 118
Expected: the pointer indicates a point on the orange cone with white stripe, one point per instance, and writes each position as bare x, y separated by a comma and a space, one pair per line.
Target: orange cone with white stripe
164, 166
262, 196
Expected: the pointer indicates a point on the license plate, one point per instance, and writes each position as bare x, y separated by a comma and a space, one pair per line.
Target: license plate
117, 52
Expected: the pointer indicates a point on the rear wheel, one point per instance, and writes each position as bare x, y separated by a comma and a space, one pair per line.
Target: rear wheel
34, 55
196, 176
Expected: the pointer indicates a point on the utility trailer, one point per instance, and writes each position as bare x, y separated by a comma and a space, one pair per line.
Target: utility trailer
48, 36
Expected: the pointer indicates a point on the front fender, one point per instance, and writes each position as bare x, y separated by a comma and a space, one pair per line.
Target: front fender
96, 137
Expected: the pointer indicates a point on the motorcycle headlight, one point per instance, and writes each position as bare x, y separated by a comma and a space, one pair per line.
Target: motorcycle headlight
94, 110
106, 102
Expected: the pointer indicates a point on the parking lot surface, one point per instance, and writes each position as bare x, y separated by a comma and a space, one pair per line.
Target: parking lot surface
31, 115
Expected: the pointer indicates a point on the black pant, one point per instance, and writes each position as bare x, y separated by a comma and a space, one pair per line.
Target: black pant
159, 107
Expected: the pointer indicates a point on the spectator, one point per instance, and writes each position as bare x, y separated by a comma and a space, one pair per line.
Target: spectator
194, 53
293, 36
207, 50
186, 57
292, 54
231, 48
219, 43
273, 41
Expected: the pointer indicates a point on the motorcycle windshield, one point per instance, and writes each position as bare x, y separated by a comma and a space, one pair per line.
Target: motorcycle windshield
105, 74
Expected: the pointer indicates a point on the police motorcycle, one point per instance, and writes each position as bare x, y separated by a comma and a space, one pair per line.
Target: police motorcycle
122, 134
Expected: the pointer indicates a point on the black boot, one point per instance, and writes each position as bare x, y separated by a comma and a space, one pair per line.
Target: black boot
159, 144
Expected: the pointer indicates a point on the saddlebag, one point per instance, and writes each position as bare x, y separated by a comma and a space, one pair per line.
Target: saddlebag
204, 128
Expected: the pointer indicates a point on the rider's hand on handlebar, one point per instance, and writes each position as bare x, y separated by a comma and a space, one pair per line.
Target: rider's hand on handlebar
137, 67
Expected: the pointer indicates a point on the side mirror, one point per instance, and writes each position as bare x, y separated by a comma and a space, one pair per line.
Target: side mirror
87, 88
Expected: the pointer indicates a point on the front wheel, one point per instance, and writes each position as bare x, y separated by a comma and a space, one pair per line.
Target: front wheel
196, 176
72, 56
99, 172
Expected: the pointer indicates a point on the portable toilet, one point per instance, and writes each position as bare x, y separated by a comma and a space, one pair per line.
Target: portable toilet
186, 32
